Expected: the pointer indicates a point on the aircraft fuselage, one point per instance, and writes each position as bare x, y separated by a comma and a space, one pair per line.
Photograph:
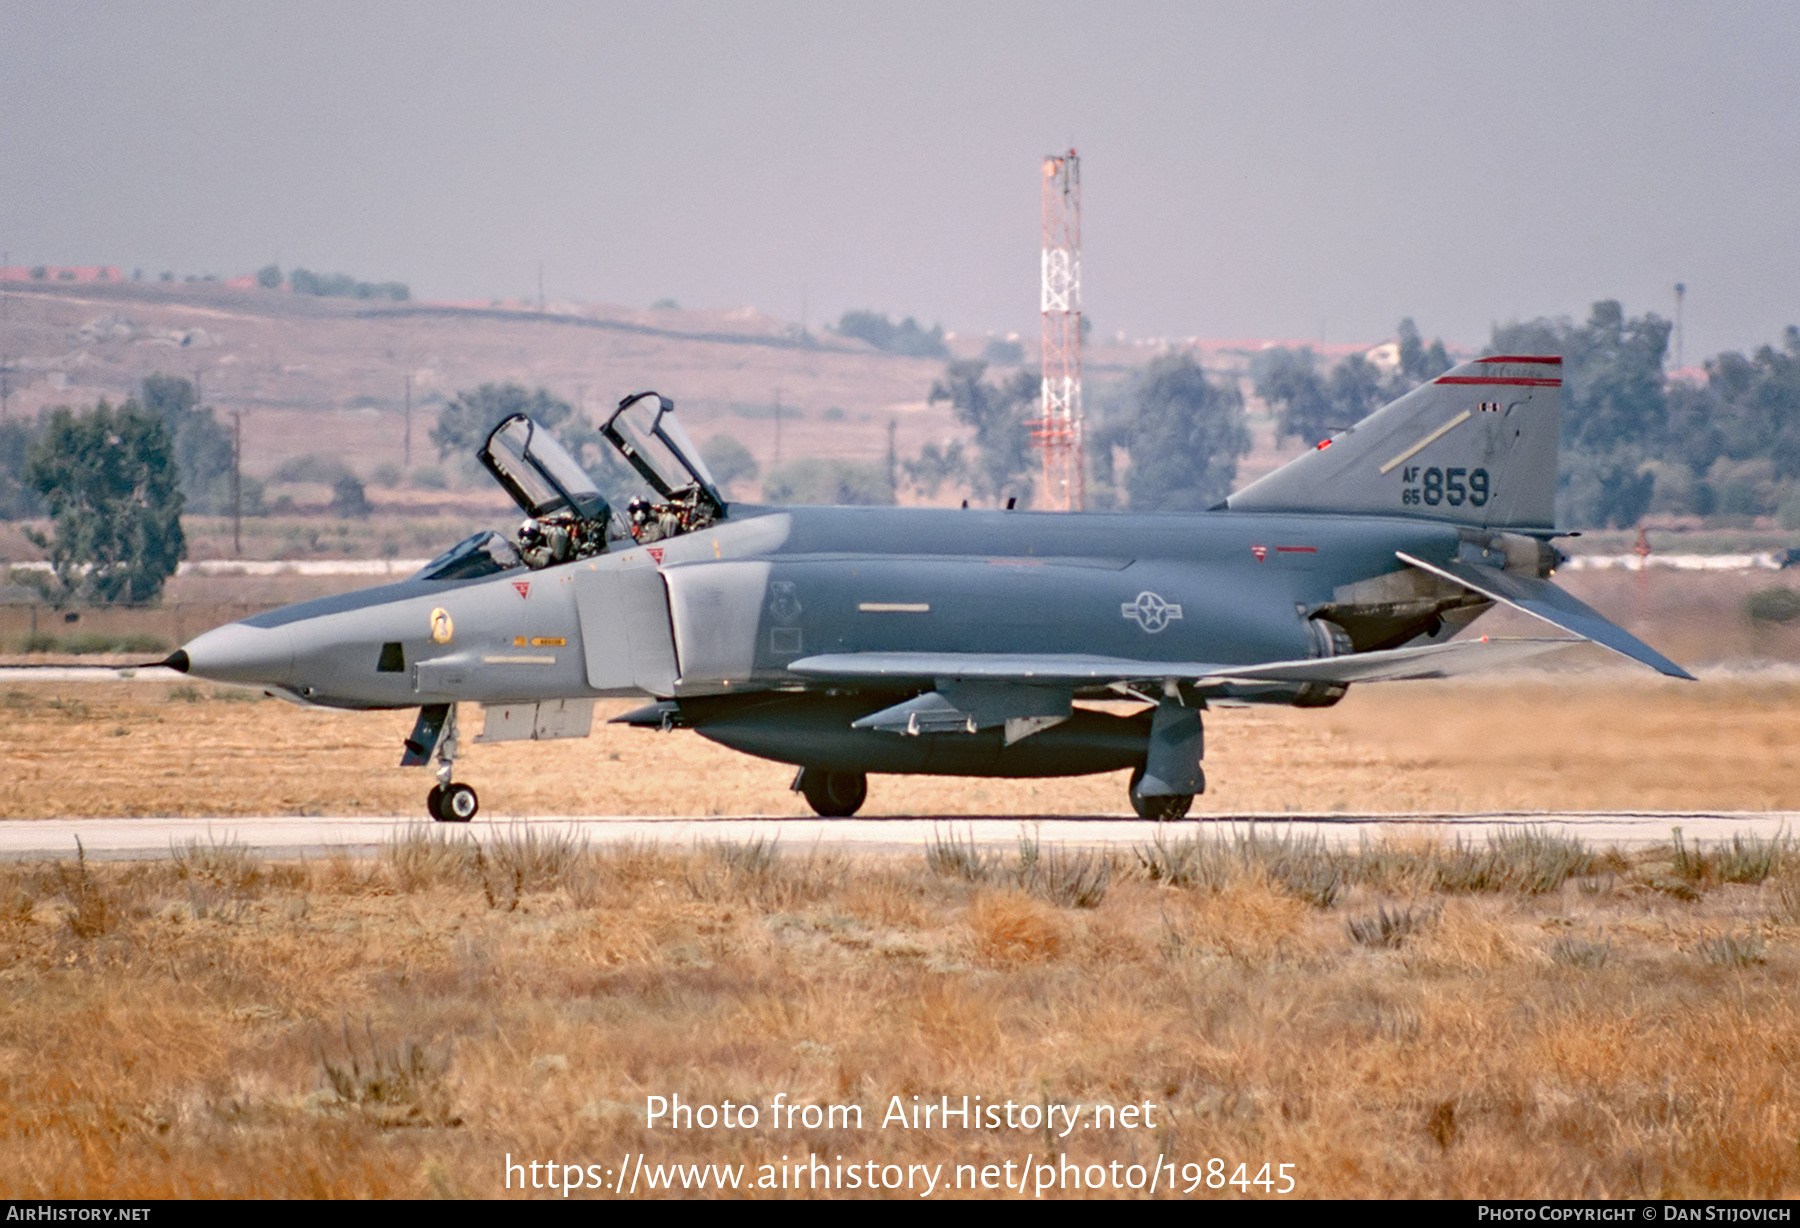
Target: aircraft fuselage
726, 610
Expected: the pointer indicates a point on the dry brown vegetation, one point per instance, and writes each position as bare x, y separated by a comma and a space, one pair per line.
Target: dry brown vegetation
1547, 742
1521, 1018
1524, 1018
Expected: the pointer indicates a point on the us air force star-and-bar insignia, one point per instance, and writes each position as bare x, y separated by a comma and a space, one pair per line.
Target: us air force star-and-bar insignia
1150, 612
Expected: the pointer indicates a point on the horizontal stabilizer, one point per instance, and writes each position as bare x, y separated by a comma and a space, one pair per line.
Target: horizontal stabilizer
1387, 665
1544, 600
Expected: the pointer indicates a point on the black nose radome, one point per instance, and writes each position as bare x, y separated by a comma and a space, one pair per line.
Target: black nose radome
178, 661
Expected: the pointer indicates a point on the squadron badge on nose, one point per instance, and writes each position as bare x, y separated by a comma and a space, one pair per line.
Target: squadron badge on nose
441, 626
784, 602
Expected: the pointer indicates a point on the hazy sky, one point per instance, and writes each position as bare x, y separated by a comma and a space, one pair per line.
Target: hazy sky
1248, 170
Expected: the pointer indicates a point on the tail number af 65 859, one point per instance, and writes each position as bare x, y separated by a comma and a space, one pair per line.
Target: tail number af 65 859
1454, 486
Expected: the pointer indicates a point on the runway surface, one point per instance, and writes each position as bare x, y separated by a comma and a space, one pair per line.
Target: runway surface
93, 673
282, 836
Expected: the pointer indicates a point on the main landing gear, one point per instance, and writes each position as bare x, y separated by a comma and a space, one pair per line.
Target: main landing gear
835, 795
1162, 807
435, 737
1164, 785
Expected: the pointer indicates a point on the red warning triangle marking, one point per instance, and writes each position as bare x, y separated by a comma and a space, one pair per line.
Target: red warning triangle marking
1261, 552
655, 553
524, 587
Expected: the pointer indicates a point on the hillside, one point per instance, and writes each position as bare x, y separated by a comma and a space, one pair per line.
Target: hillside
322, 375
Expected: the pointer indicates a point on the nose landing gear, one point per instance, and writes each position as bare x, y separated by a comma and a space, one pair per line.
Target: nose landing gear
435, 736
448, 802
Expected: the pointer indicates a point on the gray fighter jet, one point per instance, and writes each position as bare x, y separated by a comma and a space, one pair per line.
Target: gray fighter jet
852, 640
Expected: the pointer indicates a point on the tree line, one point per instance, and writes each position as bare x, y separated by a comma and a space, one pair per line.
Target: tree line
906, 338
1182, 430
332, 285
114, 482
1634, 442
200, 449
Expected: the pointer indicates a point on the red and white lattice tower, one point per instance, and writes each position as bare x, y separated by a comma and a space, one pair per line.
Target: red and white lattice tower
1058, 431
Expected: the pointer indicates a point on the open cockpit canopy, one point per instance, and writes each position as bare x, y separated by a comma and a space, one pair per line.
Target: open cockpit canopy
567, 516
539, 473
644, 430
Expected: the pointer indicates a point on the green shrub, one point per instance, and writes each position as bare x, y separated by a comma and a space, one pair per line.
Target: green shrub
1772, 605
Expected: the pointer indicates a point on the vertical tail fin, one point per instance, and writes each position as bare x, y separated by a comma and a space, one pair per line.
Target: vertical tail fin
1475, 446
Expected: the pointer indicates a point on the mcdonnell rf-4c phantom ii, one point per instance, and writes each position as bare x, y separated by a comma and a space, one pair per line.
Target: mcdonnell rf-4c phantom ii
856, 640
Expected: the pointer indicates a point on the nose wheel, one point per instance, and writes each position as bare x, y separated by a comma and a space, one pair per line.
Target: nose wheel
434, 736
453, 803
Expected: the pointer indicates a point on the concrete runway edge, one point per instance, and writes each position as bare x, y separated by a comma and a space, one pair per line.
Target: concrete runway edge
288, 836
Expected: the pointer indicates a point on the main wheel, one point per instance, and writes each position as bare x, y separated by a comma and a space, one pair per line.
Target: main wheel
434, 803
1160, 807
835, 795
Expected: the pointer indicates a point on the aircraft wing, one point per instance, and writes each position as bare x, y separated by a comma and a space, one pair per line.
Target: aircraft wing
1392, 664
1542, 599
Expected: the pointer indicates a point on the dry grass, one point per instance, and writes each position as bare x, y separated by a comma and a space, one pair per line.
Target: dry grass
1575, 742
1548, 1019
217, 1025
1077, 879
1010, 927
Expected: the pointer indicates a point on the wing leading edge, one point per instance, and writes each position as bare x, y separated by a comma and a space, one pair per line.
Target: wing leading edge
1387, 665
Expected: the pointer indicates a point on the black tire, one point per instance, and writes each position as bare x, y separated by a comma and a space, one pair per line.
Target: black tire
834, 795
434, 803
459, 804
1162, 807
